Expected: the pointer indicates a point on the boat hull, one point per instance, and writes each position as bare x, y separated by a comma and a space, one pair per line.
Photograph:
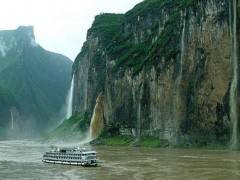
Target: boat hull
86, 164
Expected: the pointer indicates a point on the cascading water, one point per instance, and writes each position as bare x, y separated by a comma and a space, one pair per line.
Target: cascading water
182, 48
234, 84
139, 109
139, 121
12, 121
97, 121
70, 100
177, 97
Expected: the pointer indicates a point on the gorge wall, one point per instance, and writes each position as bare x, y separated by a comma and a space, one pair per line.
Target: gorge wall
165, 69
33, 84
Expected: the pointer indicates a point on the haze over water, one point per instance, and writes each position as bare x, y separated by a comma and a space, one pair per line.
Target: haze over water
22, 160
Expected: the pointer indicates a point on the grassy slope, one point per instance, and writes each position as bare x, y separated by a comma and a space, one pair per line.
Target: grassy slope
122, 140
152, 142
71, 129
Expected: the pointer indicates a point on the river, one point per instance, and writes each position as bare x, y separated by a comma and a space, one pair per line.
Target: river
22, 160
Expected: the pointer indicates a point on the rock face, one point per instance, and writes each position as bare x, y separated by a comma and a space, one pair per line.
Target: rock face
33, 81
165, 69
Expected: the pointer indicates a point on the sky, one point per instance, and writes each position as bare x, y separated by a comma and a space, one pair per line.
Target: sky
59, 25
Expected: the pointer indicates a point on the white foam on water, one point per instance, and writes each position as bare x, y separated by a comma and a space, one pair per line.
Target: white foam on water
195, 157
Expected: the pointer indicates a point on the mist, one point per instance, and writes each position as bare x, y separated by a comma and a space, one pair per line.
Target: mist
60, 25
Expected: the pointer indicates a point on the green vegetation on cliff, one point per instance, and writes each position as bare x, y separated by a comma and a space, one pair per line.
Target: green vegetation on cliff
105, 27
120, 44
118, 41
148, 50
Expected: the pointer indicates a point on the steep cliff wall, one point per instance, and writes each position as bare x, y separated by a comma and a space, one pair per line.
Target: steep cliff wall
33, 81
165, 69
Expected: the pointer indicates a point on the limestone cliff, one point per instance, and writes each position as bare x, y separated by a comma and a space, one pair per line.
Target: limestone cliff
165, 69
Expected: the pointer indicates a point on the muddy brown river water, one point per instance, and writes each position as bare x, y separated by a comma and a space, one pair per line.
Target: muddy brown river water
22, 160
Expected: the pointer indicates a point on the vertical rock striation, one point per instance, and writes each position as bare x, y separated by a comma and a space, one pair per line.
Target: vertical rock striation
234, 85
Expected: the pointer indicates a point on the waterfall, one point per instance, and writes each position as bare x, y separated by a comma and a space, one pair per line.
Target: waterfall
12, 123
139, 121
139, 109
234, 84
177, 95
182, 48
97, 121
70, 100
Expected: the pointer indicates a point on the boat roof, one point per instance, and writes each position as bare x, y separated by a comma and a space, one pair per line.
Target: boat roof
73, 149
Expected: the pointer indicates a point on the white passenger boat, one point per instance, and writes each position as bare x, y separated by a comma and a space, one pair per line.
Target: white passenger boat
71, 156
